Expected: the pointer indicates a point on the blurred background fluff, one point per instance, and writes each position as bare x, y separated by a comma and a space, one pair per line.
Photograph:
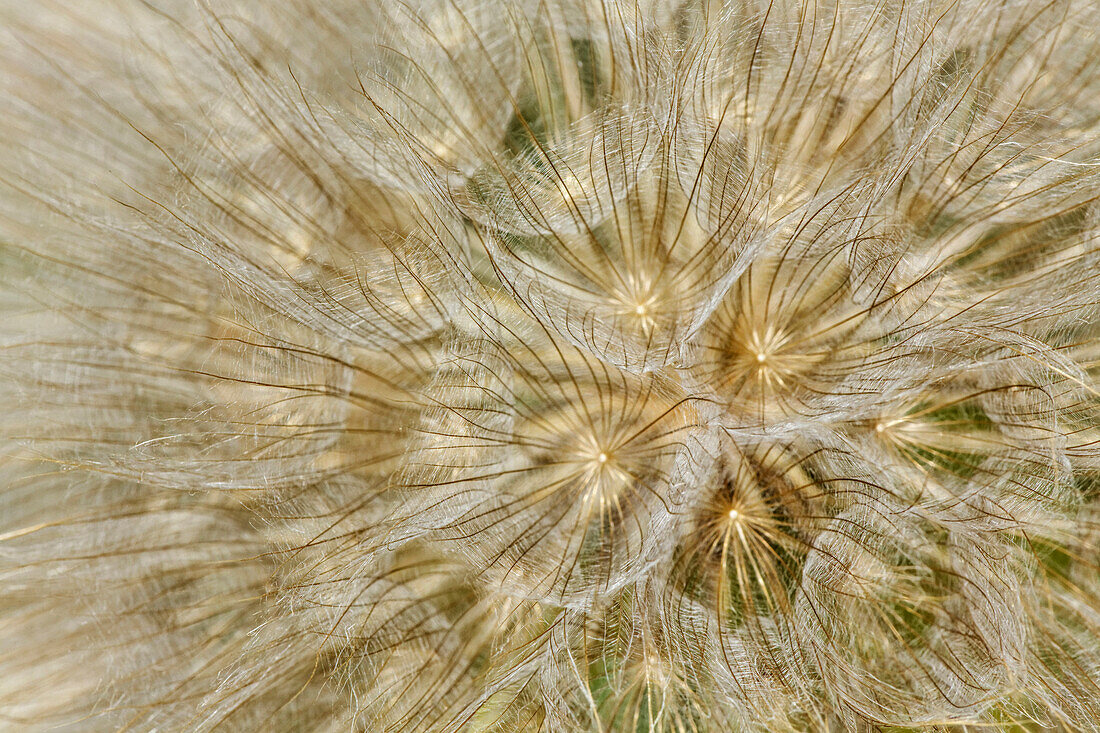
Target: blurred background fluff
550, 365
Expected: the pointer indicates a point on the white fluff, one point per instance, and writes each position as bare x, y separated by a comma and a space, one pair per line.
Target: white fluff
574, 365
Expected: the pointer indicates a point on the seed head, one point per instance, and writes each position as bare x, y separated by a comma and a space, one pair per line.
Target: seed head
573, 365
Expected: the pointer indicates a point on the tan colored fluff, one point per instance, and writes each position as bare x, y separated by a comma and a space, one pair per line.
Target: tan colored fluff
571, 365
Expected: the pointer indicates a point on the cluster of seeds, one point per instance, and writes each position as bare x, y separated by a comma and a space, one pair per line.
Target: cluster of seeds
561, 365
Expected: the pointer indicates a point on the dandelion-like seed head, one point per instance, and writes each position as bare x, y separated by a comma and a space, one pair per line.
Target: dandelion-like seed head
573, 365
